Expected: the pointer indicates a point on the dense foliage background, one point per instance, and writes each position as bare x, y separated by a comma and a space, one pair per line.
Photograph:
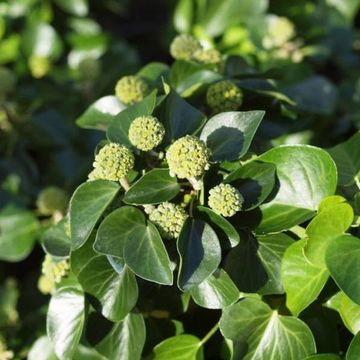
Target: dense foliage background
296, 60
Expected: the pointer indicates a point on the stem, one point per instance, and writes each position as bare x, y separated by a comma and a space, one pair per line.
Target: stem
202, 195
357, 181
210, 334
125, 183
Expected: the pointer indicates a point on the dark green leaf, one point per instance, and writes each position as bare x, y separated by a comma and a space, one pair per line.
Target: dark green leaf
200, 253
56, 239
87, 205
302, 280
117, 293
354, 348
306, 175
267, 334
154, 187
100, 114
255, 181
154, 71
119, 127
228, 135
216, 292
65, 321
323, 357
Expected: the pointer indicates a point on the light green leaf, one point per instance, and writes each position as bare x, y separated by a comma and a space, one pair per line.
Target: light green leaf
302, 280
268, 335
65, 321
183, 16
87, 205
228, 135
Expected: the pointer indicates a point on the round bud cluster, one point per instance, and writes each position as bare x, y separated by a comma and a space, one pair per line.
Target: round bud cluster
52, 199
188, 157
169, 218
184, 46
131, 89
279, 31
7, 81
224, 96
225, 200
52, 273
5, 353
146, 132
112, 162
208, 56
39, 66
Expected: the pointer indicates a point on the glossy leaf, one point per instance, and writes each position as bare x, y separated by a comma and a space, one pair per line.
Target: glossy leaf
255, 181
125, 340
117, 293
18, 230
65, 321
119, 127
154, 187
302, 280
216, 292
100, 114
343, 261
228, 135
200, 253
180, 347
56, 239
267, 334
87, 205
306, 175
354, 348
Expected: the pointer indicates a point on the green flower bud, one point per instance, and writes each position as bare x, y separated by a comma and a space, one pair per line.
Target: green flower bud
52, 273
52, 199
184, 46
225, 200
208, 56
169, 218
89, 69
131, 89
7, 81
279, 31
113, 162
188, 157
5, 353
224, 96
39, 66
146, 132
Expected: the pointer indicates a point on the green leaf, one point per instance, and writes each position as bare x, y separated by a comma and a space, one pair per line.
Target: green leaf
183, 16
348, 311
179, 117
228, 135
315, 95
302, 280
306, 175
323, 357
18, 230
86, 206
146, 255
200, 253
125, 340
56, 239
180, 347
222, 223
120, 225
154, 187
216, 292
79, 7
347, 159
117, 293
255, 264
42, 350
65, 321
267, 334
101, 113
330, 222
154, 71
354, 348
343, 261
255, 181
119, 127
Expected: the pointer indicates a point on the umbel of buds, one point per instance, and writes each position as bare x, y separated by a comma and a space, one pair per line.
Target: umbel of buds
184, 46
51, 200
146, 132
208, 56
169, 219
225, 200
224, 96
188, 157
113, 162
131, 89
